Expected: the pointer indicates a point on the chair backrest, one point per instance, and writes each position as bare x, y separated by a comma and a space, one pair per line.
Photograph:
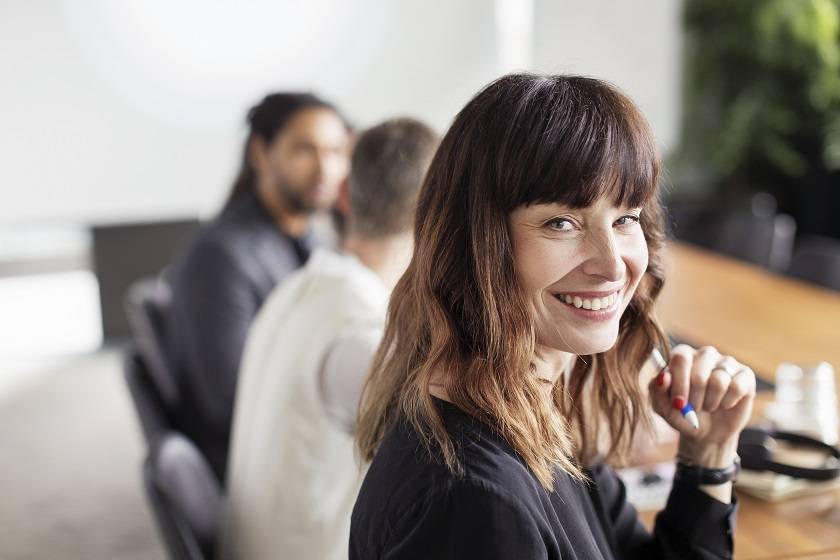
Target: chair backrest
817, 259
185, 497
759, 239
151, 410
147, 304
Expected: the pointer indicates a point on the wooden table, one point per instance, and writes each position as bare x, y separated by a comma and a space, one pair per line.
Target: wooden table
762, 319
759, 317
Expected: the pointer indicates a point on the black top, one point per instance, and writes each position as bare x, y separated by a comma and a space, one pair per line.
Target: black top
218, 284
412, 507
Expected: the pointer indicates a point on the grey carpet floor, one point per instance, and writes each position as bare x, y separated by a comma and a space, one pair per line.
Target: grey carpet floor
70, 456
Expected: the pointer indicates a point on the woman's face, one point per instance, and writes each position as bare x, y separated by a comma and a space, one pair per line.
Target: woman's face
579, 269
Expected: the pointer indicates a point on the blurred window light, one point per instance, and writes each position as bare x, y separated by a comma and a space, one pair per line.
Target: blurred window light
515, 29
48, 315
49, 297
26, 248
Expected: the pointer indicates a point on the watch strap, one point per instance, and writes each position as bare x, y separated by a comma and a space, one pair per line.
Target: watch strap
697, 475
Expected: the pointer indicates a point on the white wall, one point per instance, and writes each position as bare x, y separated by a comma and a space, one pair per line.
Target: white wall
635, 45
113, 111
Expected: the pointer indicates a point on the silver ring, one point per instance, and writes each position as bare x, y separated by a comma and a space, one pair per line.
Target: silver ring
723, 369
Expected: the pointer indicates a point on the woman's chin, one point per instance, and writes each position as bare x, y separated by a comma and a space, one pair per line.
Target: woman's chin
593, 349
586, 347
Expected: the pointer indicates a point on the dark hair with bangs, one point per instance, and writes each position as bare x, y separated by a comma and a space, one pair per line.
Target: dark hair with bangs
458, 309
564, 139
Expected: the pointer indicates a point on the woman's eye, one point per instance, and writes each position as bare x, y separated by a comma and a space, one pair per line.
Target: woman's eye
560, 224
628, 220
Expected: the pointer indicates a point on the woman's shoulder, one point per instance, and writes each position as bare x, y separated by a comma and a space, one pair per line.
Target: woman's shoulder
409, 495
407, 477
486, 458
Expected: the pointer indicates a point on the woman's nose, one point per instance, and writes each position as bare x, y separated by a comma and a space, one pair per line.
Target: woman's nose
604, 258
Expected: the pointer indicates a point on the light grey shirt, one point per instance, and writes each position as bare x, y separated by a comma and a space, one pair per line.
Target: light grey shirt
344, 371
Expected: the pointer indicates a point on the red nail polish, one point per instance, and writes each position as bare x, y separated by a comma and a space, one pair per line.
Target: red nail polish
660, 379
678, 403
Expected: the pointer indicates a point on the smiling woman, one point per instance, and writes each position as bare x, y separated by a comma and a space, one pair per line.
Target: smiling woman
515, 341
589, 260
543, 172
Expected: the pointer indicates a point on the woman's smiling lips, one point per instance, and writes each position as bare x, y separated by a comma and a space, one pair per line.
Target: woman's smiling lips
596, 306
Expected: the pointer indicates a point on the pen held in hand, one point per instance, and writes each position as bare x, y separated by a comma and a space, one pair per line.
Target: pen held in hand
679, 403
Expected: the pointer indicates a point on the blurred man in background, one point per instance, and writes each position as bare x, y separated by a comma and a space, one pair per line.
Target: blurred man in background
296, 155
292, 478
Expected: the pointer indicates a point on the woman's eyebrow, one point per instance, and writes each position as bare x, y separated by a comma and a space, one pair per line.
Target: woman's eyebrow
557, 207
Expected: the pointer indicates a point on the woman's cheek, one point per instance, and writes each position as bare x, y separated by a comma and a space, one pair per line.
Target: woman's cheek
637, 257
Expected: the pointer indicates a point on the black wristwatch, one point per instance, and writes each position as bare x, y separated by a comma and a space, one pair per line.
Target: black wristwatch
697, 475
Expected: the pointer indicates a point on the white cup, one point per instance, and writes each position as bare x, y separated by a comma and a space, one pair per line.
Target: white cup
806, 401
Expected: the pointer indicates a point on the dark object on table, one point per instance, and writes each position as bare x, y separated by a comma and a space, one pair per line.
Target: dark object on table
817, 259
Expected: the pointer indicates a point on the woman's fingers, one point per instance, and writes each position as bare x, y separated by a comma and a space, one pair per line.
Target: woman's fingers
679, 366
742, 385
658, 389
661, 390
718, 386
705, 359
720, 377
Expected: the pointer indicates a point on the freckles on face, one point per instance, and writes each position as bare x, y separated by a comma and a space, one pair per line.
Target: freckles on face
578, 269
539, 261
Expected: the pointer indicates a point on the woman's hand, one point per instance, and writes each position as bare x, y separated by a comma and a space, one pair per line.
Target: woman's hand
720, 389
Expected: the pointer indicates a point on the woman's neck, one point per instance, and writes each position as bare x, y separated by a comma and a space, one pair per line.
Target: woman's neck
549, 364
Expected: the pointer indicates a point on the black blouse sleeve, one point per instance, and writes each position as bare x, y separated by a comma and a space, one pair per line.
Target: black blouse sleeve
693, 525
466, 520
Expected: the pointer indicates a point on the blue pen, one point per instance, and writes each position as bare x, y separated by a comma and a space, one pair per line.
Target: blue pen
687, 410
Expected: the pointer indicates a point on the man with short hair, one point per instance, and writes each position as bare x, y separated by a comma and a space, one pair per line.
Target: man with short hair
292, 477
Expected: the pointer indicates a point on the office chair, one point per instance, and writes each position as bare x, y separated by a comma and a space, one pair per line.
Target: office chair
817, 259
154, 417
185, 497
146, 304
757, 234
765, 241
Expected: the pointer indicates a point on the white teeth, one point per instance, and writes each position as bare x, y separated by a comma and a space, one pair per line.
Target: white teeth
594, 304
